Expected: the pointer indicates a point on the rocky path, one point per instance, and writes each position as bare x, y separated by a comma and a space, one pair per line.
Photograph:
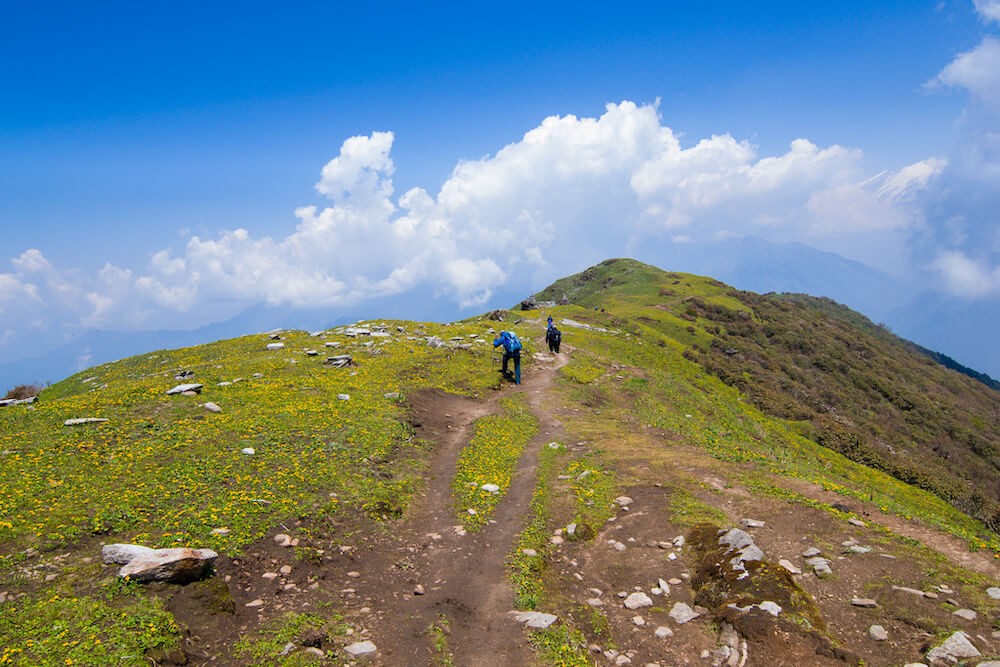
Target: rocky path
429, 582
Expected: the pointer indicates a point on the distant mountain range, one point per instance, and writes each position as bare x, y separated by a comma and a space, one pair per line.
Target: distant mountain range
964, 331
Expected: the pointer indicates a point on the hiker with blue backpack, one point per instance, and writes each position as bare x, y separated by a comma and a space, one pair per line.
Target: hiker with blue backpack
511, 350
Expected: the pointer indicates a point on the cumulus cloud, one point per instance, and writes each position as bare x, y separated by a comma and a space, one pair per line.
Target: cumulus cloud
571, 189
961, 242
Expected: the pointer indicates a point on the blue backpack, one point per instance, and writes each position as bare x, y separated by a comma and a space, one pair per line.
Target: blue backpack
513, 343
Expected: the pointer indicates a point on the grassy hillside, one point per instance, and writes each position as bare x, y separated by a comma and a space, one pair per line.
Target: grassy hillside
839, 379
704, 403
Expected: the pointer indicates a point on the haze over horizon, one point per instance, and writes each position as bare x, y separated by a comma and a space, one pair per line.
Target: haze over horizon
171, 168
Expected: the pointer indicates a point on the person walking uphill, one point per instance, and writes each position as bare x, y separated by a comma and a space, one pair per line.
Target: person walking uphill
511, 350
553, 337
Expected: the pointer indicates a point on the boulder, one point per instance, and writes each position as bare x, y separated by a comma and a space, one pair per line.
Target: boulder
176, 566
121, 554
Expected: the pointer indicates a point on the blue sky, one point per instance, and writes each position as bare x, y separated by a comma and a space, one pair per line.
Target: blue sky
137, 139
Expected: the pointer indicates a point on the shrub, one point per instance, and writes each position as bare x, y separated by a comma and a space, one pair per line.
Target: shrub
23, 391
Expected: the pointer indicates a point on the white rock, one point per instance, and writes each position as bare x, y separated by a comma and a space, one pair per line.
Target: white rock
275, 346
752, 523
623, 501
490, 488
361, 648
993, 592
952, 650
967, 614
773, 608
212, 407
181, 388
638, 601
811, 552
249, 451
663, 586
121, 554
534, 619
878, 633
788, 565
866, 603
856, 522
344, 397
639, 621
84, 420
663, 632
682, 613
283, 540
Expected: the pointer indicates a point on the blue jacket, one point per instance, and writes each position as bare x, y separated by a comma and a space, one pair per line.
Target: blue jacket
509, 341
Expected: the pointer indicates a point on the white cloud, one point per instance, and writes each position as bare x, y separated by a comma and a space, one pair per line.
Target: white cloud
966, 277
570, 188
988, 9
978, 71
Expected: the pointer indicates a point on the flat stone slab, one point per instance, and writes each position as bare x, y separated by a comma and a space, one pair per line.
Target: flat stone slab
181, 388
865, 603
952, 650
878, 633
534, 619
84, 420
361, 648
967, 614
790, 566
993, 592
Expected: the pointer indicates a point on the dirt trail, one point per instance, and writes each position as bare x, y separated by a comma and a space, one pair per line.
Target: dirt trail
463, 576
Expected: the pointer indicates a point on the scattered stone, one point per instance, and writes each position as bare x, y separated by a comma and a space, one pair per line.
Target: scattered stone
256, 603
51, 577
84, 420
211, 407
418, 589
220, 532
179, 565
788, 565
249, 451
595, 602
623, 501
490, 488
361, 648
343, 397
392, 395
967, 614
752, 523
953, 649
286, 570
283, 540
534, 619
269, 576
911, 591
811, 552
820, 565
275, 346
556, 539
662, 632
993, 592
638, 600
181, 388
682, 613
663, 586
878, 633
857, 522
865, 603
616, 545
638, 621
858, 549
674, 581
339, 361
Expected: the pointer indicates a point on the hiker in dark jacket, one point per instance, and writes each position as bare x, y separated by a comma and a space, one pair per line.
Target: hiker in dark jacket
511, 350
553, 337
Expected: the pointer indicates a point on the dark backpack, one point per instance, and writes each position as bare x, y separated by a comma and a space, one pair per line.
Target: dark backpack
555, 335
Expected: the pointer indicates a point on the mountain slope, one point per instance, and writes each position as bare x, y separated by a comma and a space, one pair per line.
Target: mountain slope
850, 385
406, 501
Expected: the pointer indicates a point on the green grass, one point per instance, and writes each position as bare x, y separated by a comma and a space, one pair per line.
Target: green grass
264, 647
560, 645
116, 627
490, 458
